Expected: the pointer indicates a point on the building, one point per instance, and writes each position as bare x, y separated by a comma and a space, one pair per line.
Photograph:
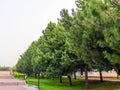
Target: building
95, 74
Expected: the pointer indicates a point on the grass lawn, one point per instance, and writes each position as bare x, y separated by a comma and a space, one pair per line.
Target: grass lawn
48, 84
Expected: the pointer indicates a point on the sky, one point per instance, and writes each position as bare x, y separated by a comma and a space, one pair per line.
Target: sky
22, 22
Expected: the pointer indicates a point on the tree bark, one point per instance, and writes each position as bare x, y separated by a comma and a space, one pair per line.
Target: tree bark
75, 75
35, 75
70, 81
117, 76
101, 78
42, 75
60, 79
117, 73
52, 77
39, 81
81, 72
86, 77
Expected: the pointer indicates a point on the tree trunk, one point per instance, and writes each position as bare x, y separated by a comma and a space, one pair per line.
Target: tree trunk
52, 77
70, 81
75, 75
42, 75
101, 78
60, 79
35, 75
86, 77
117, 73
117, 76
81, 72
39, 81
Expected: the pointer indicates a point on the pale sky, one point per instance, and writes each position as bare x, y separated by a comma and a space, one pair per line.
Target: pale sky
22, 22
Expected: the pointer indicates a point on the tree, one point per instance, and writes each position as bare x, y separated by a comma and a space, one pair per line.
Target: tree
88, 38
24, 64
88, 27
111, 32
62, 62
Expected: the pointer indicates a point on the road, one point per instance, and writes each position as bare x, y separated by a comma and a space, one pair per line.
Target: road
8, 82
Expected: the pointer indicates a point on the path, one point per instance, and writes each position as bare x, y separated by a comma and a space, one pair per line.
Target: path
8, 82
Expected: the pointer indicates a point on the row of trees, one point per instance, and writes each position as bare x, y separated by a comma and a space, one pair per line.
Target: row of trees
87, 39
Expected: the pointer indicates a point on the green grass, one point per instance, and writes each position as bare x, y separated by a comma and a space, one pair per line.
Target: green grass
48, 84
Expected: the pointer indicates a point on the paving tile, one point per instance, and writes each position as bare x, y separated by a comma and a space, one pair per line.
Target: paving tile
8, 82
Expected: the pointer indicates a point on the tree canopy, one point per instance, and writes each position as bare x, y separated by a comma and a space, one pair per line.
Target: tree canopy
89, 36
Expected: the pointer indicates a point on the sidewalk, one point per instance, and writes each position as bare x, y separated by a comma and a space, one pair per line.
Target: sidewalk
8, 82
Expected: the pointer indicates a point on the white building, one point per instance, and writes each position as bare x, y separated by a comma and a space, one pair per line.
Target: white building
95, 74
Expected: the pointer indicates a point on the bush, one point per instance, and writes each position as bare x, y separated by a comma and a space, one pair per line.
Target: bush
19, 75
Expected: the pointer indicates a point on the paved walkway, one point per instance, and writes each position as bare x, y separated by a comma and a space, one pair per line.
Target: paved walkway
8, 82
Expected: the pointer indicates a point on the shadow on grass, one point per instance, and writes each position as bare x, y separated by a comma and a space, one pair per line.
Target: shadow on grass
106, 85
55, 82
48, 84
79, 84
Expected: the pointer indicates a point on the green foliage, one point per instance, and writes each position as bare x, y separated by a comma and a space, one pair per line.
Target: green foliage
87, 32
18, 75
91, 36
24, 64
